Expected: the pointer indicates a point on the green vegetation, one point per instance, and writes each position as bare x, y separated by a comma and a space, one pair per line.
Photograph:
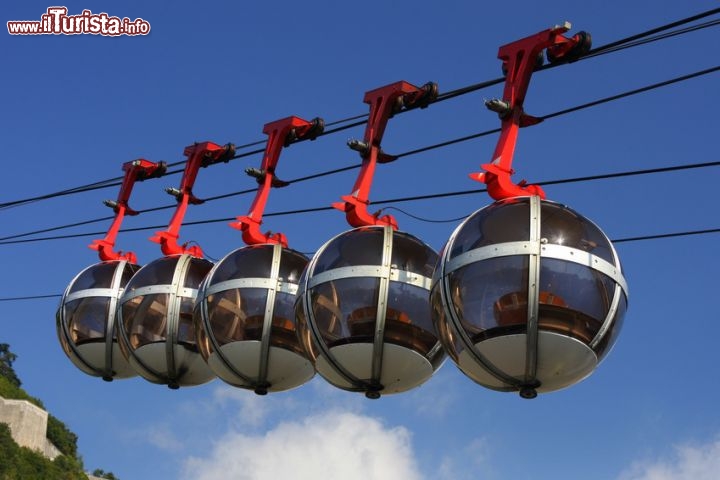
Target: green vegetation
12, 392
62, 437
6, 360
20, 463
103, 474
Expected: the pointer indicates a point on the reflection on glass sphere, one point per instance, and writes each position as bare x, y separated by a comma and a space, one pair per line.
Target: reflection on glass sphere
156, 328
245, 321
86, 319
528, 296
363, 312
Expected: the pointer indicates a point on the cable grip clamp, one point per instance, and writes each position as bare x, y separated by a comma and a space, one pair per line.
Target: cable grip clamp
520, 59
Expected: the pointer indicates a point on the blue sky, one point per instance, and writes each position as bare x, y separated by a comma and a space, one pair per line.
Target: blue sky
75, 108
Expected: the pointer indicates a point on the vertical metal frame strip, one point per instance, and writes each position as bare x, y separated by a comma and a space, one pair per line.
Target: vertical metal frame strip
531, 350
316, 334
123, 337
205, 319
65, 327
456, 324
267, 321
173, 316
612, 312
110, 324
609, 318
383, 289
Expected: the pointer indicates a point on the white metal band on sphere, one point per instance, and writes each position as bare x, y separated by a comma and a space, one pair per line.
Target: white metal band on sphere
546, 250
374, 271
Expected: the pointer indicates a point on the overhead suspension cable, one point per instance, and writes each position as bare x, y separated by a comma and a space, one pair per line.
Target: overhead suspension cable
648, 33
642, 38
605, 176
644, 41
80, 189
659, 236
569, 110
627, 42
566, 111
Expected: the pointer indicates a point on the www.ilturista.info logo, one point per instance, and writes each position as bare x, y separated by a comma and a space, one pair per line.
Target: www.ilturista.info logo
57, 22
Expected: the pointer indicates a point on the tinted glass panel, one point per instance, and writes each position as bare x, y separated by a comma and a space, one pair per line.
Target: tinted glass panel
344, 308
186, 328
452, 345
583, 293
283, 313
303, 331
490, 294
283, 324
608, 341
196, 272
203, 341
412, 255
61, 334
145, 319
356, 247
96, 276
292, 264
407, 319
237, 314
248, 262
157, 272
503, 221
128, 272
87, 319
563, 226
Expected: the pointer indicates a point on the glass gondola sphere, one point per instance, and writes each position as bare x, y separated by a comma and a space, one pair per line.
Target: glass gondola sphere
245, 321
363, 311
155, 323
528, 296
86, 324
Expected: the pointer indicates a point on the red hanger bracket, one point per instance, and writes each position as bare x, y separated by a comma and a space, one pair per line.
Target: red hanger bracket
137, 170
520, 59
199, 155
281, 133
384, 103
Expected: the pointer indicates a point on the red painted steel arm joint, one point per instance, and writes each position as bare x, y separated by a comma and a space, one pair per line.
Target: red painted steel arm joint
137, 170
199, 155
281, 133
520, 59
384, 103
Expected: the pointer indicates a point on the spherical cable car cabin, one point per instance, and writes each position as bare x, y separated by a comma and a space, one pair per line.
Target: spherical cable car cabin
156, 325
245, 320
244, 312
86, 317
157, 333
529, 296
363, 311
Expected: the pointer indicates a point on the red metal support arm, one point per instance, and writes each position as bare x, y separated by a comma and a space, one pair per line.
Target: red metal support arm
520, 59
137, 170
199, 155
384, 103
281, 133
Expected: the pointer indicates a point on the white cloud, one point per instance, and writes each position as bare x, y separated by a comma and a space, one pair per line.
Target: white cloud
162, 437
342, 445
251, 409
698, 462
244, 409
